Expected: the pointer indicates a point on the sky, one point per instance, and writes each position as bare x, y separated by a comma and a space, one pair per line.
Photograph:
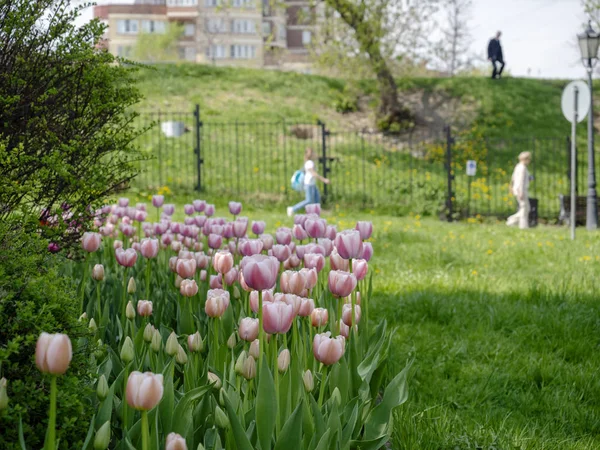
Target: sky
538, 36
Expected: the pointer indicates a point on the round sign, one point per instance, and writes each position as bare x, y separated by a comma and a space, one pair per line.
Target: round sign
583, 100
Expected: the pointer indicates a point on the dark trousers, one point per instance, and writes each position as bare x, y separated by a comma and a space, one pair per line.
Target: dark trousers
496, 71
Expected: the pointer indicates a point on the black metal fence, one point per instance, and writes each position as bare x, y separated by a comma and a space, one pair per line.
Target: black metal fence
418, 171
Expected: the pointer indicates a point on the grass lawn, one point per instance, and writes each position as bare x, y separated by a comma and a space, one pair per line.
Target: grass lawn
503, 326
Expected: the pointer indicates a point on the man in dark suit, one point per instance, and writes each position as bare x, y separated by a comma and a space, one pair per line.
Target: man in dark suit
495, 55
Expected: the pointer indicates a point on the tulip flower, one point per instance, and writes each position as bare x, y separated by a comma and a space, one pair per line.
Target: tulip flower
102, 388
315, 228
127, 351
239, 363
216, 282
249, 368
144, 308
327, 245
172, 344
131, 286
117, 244
223, 261
91, 241
53, 353
102, 438
148, 333
301, 251
307, 306
281, 252
123, 202
283, 360
311, 276
255, 349
169, 209
349, 244
199, 205
231, 341
327, 350
126, 258
249, 247
313, 208
181, 356
215, 241
258, 228
283, 237
175, 442
299, 233
360, 268
345, 329
289, 299
217, 301
331, 232
267, 241
195, 343
209, 210
319, 317
347, 314
367, 252
158, 200
277, 317
260, 272
188, 288
144, 390
292, 262
203, 274
308, 380
314, 261
267, 297
186, 268
214, 379
292, 282
235, 208
129, 311
365, 229
140, 216
231, 277
314, 248
337, 262
176, 246
239, 228
149, 248
341, 284
98, 272
248, 329
188, 209
136, 246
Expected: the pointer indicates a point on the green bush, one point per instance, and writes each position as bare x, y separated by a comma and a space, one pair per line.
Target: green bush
34, 298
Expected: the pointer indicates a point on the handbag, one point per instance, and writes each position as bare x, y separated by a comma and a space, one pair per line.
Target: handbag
298, 181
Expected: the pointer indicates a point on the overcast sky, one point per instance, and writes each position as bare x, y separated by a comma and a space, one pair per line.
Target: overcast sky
538, 36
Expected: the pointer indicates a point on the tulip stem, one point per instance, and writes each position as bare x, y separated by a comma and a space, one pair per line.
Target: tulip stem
124, 299
125, 379
353, 300
83, 281
276, 373
98, 305
51, 444
322, 388
148, 273
145, 430
261, 332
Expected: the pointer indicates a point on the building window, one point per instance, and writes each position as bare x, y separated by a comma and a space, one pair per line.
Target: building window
189, 30
306, 37
154, 26
212, 2
243, 26
124, 51
216, 52
282, 32
127, 26
243, 51
182, 2
266, 28
216, 25
241, 3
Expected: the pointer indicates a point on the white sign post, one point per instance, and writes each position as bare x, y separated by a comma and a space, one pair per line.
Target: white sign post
576, 100
471, 168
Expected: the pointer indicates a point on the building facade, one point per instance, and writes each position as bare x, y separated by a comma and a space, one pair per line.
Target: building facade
249, 33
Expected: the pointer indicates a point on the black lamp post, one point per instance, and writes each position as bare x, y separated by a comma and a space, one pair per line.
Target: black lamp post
589, 41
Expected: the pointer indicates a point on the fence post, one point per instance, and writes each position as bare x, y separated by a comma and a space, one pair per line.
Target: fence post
450, 176
324, 159
197, 150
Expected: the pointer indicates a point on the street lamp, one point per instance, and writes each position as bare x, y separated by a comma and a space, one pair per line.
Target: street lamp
589, 41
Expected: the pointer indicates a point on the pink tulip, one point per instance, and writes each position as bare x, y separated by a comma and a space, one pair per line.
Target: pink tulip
175, 227
299, 233
277, 317
188, 288
176, 246
235, 208
228, 230
319, 317
223, 261
173, 263
188, 209
337, 262
217, 301
327, 350
209, 210
367, 252
331, 232
300, 219
327, 245
136, 246
248, 329
249, 247
255, 349
140, 216
289, 299
200, 221
267, 296
300, 251
216, 282
202, 260
365, 229
126, 258
144, 308
215, 241
149, 248
186, 268
166, 239
53, 353
169, 209
313, 208
260, 272
315, 228
243, 282
292, 262
307, 306
239, 228
314, 261
258, 227
232, 248
311, 276
315, 248
347, 314
281, 252
144, 390
175, 442
345, 329
292, 282
123, 202
283, 237
98, 272
158, 200
231, 277
267, 241
349, 244
341, 284
117, 244
91, 242
360, 268
199, 205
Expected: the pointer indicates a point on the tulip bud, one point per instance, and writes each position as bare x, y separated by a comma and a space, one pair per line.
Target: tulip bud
336, 396
148, 333
181, 356
221, 418
3, 394
283, 360
92, 326
129, 311
254, 348
156, 341
231, 341
200, 447
99, 353
236, 292
175, 442
195, 343
102, 439
212, 378
102, 388
249, 368
172, 344
178, 281
144, 390
98, 272
308, 380
127, 351
83, 317
239, 363
131, 287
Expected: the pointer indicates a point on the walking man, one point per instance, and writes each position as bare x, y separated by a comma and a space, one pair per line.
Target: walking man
495, 55
519, 187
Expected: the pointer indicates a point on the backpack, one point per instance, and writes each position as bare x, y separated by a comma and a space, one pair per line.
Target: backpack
298, 181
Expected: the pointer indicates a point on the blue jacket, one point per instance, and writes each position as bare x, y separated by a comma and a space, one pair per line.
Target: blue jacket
495, 50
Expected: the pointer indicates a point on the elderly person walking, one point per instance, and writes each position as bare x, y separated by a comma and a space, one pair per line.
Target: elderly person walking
519, 187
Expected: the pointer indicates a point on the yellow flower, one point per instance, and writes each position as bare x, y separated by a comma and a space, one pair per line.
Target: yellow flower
474, 272
490, 251
256, 170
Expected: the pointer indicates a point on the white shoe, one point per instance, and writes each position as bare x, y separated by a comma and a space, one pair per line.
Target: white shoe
290, 211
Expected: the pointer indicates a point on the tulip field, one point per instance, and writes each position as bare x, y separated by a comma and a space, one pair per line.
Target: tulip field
215, 330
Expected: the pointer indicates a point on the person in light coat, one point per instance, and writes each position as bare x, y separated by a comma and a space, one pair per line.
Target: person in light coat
519, 187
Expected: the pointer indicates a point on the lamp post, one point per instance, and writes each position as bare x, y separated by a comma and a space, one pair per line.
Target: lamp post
589, 41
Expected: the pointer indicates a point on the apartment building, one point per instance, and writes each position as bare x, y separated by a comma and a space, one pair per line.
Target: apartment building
249, 33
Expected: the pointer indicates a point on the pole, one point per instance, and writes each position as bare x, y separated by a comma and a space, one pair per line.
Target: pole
592, 202
197, 150
573, 159
449, 193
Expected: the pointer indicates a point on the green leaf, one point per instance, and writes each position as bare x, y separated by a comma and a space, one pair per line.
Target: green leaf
376, 354
167, 404
105, 411
266, 407
379, 421
318, 417
291, 433
372, 444
324, 442
183, 410
349, 428
90, 434
21, 437
241, 440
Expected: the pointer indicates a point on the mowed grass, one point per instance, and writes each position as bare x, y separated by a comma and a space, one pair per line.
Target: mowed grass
503, 327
